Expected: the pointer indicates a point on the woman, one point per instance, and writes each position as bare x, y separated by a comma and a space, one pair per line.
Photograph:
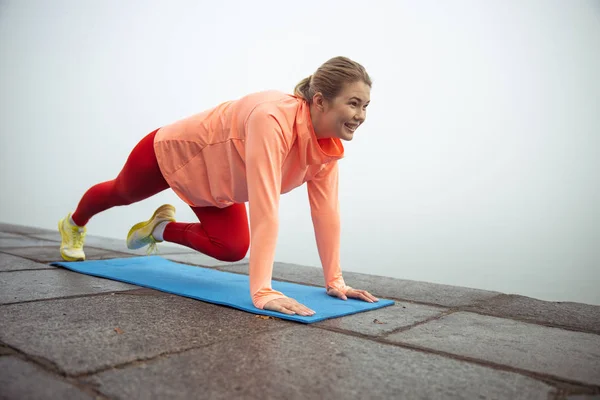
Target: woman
248, 150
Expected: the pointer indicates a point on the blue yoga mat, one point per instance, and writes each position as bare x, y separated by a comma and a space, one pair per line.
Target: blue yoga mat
218, 287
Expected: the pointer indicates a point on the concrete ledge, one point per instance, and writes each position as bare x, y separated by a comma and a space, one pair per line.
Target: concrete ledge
86, 334
422, 292
19, 377
21, 286
308, 363
566, 314
13, 263
69, 335
521, 345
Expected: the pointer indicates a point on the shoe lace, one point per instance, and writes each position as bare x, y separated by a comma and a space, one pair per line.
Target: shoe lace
78, 236
152, 248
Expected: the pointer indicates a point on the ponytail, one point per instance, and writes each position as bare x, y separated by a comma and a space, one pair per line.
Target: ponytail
302, 89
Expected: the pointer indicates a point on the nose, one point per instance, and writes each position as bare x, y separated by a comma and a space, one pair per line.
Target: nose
361, 115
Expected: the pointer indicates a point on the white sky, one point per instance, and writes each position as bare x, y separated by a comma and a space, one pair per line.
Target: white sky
477, 165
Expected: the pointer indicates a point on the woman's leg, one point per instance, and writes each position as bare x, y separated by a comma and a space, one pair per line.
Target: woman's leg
222, 233
139, 179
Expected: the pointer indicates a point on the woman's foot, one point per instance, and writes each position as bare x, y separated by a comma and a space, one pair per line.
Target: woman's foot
142, 234
73, 236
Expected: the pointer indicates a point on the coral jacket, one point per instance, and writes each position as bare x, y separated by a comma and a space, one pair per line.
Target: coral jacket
254, 149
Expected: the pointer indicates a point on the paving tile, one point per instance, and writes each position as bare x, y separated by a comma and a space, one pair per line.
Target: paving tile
562, 353
22, 241
423, 292
384, 320
118, 245
79, 335
22, 380
4, 235
200, 259
574, 315
53, 236
5, 351
9, 262
21, 229
309, 363
47, 254
21, 286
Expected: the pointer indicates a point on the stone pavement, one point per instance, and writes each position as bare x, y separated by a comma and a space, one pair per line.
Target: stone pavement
64, 335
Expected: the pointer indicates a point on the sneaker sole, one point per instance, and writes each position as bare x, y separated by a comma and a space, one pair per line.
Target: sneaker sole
144, 224
63, 255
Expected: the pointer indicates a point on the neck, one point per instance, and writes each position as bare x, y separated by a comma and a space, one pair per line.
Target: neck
316, 121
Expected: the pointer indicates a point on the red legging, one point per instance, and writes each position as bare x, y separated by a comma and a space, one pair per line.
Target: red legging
222, 232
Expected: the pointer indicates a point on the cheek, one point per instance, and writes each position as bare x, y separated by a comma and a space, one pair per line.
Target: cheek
344, 116
336, 120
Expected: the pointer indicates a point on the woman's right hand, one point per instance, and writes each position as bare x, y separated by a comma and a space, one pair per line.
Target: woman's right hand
289, 306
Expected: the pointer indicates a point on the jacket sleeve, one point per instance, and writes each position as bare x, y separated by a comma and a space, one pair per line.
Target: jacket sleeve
325, 213
266, 149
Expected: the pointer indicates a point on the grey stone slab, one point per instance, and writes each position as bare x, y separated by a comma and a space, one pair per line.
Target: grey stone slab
9, 262
584, 397
79, 335
384, 320
21, 286
568, 314
422, 292
5, 351
47, 254
23, 241
53, 236
309, 363
22, 380
200, 259
553, 351
21, 229
118, 245
4, 235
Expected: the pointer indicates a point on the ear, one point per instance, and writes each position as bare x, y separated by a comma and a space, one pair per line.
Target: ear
319, 101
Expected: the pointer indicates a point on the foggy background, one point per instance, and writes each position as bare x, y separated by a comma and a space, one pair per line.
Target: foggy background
478, 164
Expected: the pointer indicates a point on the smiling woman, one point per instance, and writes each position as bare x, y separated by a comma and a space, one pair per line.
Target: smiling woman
338, 93
252, 149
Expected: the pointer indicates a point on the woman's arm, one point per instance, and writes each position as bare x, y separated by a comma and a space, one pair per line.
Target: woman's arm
265, 151
323, 196
324, 204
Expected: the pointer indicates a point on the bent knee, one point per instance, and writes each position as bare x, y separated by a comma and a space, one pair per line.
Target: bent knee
235, 253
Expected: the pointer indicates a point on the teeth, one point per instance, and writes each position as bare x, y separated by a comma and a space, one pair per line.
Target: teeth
351, 127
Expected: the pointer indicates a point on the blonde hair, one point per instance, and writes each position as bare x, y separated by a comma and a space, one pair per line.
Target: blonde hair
330, 77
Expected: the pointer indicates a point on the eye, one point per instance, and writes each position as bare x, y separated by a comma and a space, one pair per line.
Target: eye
353, 104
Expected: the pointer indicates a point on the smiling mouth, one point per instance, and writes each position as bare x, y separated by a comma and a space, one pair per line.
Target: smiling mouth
351, 127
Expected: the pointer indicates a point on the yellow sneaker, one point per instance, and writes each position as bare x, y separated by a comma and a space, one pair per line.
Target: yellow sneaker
140, 234
73, 236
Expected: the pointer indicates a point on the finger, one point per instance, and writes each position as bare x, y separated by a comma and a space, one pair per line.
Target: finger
365, 298
303, 310
285, 310
358, 294
306, 309
296, 307
372, 297
339, 294
369, 295
298, 310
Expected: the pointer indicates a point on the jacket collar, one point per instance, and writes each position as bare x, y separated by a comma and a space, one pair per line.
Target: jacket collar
313, 150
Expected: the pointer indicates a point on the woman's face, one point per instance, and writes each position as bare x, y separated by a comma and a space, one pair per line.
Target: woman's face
343, 115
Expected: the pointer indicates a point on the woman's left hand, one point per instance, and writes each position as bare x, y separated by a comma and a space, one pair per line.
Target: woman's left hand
353, 293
